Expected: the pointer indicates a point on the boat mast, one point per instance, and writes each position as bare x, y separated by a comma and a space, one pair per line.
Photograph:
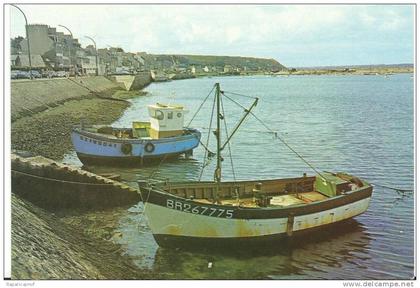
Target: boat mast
218, 171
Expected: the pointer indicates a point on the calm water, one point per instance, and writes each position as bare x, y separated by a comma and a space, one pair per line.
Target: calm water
359, 124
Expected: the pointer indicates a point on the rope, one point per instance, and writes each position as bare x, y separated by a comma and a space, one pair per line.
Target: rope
279, 138
62, 181
158, 167
201, 105
227, 133
208, 138
230, 154
393, 188
96, 93
242, 95
144, 204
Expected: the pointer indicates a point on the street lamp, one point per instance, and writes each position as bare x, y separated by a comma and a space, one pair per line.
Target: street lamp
71, 34
27, 39
96, 54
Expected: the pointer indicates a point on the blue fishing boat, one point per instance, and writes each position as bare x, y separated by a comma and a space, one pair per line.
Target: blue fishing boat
162, 137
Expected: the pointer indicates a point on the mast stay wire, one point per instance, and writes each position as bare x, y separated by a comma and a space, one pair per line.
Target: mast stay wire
207, 153
398, 190
230, 151
276, 135
227, 133
201, 106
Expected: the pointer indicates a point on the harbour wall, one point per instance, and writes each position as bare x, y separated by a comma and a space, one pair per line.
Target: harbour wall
32, 96
132, 82
71, 252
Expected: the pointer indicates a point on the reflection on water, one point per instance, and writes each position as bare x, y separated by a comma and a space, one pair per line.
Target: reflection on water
330, 248
359, 124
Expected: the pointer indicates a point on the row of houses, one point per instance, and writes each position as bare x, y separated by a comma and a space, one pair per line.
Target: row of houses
55, 50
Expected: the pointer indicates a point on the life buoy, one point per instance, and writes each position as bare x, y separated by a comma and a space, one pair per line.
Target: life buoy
126, 148
149, 147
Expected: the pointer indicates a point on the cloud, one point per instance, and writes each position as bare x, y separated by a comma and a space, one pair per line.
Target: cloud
274, 31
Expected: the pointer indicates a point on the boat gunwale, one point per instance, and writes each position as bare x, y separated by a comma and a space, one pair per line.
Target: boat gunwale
99, 136
298, 209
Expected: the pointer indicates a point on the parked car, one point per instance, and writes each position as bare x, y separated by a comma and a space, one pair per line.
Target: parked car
14, 74
61, 74
23, 75
35, 74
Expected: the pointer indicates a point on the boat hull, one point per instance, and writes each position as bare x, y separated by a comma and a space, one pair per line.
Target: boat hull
101, 149
179, 222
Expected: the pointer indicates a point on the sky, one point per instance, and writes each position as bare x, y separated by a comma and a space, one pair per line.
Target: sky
294, 35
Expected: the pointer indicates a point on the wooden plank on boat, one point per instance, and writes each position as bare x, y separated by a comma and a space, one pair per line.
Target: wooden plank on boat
312, 196
286, 200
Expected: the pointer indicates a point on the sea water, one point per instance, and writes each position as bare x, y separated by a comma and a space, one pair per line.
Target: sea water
362, 125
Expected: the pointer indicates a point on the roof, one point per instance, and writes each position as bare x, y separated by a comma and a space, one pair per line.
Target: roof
166, 107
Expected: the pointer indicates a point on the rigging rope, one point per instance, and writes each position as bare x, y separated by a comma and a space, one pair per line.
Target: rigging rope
238, 94
393, 188
230, 153
158, 167
201, 105
276, 136
206, 154
227, 133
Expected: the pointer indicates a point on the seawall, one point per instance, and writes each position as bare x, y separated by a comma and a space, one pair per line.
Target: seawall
132, 82
43, 246
32, 96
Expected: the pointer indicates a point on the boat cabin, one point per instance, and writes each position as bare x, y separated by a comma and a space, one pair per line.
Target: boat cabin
166, 120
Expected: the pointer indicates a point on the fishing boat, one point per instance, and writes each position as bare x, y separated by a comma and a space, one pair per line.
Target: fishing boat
220, 214
163, 137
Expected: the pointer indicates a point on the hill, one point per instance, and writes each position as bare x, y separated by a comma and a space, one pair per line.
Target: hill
243, 63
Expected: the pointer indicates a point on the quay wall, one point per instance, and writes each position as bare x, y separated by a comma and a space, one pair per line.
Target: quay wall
33, 96
132, 82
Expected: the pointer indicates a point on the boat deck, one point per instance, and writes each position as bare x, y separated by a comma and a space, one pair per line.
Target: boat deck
276, 201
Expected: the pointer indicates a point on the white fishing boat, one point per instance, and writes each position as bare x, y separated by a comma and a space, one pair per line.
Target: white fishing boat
253, 212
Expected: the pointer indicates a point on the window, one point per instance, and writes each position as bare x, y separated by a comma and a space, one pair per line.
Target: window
179, 114
170, 115
159, 115
81, 137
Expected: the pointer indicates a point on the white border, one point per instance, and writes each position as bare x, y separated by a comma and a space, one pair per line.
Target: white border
5, 144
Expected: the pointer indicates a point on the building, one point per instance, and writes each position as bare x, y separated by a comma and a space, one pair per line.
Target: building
40, 41
22, 61
88, 64
58, 50
13, 58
